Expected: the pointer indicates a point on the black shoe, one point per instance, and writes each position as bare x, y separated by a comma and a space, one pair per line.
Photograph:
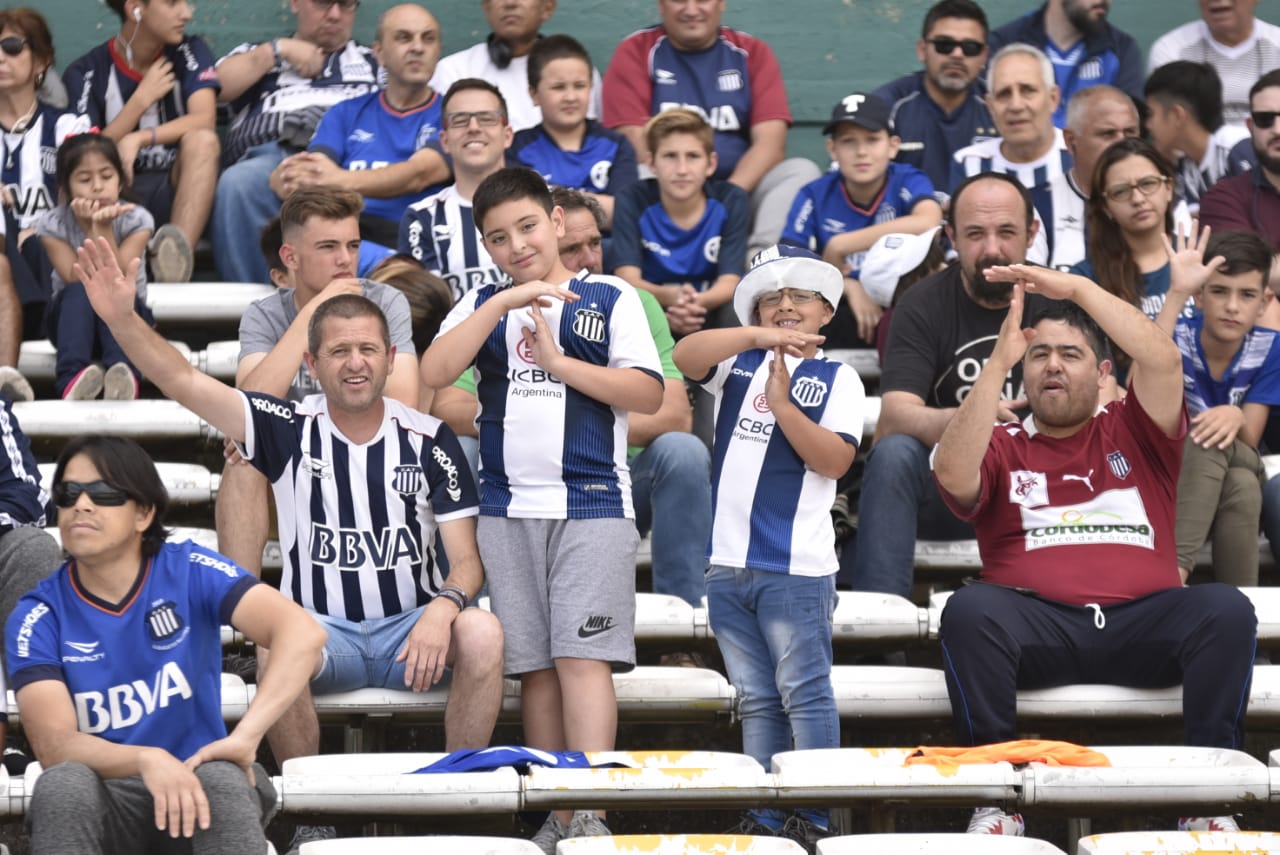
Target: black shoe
16, 759
805, 832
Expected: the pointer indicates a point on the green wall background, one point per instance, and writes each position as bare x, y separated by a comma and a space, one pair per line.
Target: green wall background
827, 48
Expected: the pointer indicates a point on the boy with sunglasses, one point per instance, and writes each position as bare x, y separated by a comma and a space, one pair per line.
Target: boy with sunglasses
153, 89
788, 423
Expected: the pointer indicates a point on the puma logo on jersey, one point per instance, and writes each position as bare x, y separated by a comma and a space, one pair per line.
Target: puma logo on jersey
1086, 479
125, 705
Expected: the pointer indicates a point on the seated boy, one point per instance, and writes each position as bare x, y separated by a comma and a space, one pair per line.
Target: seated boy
1185, 101
1231, 375
845, 211
153, 89
681, 236
787, 427
558, 362
567, 148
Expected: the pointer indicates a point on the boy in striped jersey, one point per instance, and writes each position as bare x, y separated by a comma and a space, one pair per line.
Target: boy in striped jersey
559, 359
788, 422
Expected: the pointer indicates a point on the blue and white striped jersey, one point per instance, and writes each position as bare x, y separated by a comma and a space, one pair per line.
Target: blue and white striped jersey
547, 451
770, 511
358, 521
22, 500
146, 670
28, 162
441, 233
1253, 377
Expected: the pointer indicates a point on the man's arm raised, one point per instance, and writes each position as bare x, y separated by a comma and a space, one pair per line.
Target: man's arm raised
112, 293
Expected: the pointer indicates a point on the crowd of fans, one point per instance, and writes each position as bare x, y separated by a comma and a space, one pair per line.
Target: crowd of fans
600, 297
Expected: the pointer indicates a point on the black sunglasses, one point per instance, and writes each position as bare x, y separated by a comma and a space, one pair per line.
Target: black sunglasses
945, 45
1261, 118
67, 493
13, 45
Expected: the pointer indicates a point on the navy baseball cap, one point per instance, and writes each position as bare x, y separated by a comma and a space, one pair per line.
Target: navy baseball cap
862, 109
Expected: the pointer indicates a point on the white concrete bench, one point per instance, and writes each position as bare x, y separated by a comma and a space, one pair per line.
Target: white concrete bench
935, 844
1180, 843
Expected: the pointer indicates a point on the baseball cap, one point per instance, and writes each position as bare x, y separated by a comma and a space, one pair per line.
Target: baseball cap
889, 259
785, 266
862, 109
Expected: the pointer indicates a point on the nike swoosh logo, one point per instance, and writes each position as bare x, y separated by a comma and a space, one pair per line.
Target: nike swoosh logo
583, 632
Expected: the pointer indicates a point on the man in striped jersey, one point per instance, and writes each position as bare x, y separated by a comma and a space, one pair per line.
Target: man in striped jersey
362, 485
440, 231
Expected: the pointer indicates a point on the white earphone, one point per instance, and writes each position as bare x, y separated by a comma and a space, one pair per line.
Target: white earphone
137, 14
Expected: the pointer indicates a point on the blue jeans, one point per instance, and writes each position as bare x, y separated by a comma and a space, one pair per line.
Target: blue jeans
774, 632
242, 205
671, 491
899, 498
362, 654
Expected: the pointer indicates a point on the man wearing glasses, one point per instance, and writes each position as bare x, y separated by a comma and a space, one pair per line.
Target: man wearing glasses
439, 231
938, 111
1251, 202
278, 90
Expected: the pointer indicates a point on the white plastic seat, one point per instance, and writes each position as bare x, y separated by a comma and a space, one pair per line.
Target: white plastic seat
219, 359
678, 844
37, 360
236, 695
381, 785
186, 483
889, 692
868, 616
203, 302
934, 844
143, 419
837, 775
651, 778
1152, 776
11, 802
864, 360
654, 693
1179, 843
948, 555
455, 845
659, 618
383, 702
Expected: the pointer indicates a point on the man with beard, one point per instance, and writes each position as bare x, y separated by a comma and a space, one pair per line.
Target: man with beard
938, 111
1083, 46
941, 334
1251, 202
1074, 509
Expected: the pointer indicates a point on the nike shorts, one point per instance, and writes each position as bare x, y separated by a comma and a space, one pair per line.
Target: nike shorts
562, 589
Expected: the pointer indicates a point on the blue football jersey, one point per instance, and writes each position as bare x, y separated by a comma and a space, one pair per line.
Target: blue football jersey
1252, 377
605, 163
144, 671
28, 161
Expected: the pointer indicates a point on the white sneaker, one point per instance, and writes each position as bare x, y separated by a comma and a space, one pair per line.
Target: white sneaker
170, 255
86, 385
14, 386
120, 383
992, 820
586, 824
551, 833
1208, 823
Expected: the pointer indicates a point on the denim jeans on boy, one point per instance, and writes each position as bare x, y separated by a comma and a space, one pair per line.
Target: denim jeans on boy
671, 491
774, 632
243, 203
899, 498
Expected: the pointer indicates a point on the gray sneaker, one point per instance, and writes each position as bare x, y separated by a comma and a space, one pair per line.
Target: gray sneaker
120, 383
86, 385
14, 386
551, 833
170, 256
310, 834
586, 824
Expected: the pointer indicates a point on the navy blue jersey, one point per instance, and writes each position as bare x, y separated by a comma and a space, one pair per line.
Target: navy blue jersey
144, 671
605, 163
22, 500
822, 209
258, 115
930, 136
441, 234
368, 133
1107, 56
644, 236
28, 161
101, 82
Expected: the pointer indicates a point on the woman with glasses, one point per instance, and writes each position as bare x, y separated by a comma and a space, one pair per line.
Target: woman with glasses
30, 131
116, 660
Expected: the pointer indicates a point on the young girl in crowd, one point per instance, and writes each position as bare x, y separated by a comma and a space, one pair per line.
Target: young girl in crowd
90, 181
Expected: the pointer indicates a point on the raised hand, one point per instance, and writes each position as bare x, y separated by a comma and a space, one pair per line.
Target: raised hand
1011, 344
111, 291
1054, 284
789, 341
540, 340
777, 386
534, 293
1188, 271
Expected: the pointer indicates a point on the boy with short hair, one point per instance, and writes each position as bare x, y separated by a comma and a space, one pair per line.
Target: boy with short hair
868, 196
788, 422
682, 236
1186, 125
1231, 374
558, 361
567, 148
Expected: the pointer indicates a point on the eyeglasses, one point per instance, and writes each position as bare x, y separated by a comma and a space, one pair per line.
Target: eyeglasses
101, 493
1262, 119
484, 118
798, 298
344, 5
946, 45
14, 45
1148, 186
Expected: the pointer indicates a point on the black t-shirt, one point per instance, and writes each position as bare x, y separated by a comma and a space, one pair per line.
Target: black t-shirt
939, 339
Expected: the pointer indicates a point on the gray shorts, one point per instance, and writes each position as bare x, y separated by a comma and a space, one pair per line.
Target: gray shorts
562, 589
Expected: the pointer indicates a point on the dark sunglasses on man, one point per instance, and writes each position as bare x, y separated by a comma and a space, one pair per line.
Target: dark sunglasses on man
1262, 119
945, 45
67, 493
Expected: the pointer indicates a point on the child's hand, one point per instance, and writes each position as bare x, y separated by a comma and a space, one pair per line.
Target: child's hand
111, 291
536, 293
791, 342
686, 317
107, 213
1217, 426
156, 83
777, 387
540, 341
1187, 268
675, 295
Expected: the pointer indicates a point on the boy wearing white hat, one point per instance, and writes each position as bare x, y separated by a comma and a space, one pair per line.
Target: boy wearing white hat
788, 422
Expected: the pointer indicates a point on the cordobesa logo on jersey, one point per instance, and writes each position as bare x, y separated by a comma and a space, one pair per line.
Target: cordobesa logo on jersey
28, 627
1116, 517
357, 548
125, 705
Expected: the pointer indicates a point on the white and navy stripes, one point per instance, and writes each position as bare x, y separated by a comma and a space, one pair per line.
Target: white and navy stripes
28, 163
23, 501
440, 232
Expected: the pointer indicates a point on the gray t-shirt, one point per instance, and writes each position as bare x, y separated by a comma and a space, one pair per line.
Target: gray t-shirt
264, 323
60, 223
